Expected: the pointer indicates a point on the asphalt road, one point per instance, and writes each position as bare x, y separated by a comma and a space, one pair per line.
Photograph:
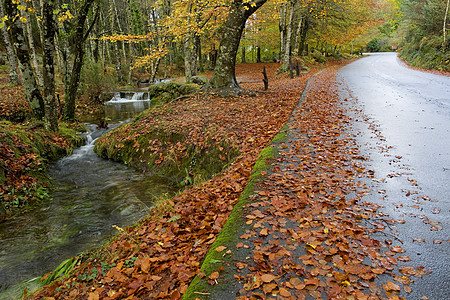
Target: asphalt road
403, 128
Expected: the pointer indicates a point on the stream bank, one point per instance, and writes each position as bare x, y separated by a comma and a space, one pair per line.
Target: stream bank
90, 196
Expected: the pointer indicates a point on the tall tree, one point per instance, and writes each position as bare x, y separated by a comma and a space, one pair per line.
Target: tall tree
78, 38
51, 113
18, 39
13, 72
444, 44
224, 72
31, 44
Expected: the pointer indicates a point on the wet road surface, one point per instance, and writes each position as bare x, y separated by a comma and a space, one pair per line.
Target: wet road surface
403, 128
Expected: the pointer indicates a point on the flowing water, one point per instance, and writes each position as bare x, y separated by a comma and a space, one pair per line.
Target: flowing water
91, 194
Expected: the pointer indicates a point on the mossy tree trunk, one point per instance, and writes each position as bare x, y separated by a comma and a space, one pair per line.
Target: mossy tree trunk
18, 39
224, 72
287, 47
34, 61
79, 37
51, 113
13, 72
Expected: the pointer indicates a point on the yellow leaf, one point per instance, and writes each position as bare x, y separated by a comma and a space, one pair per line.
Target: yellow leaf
311, 245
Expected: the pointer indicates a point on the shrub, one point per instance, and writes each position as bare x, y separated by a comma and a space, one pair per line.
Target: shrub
95, 81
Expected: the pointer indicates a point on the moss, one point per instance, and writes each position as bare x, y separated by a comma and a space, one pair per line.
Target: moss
167, 153
229, 234
25, 152
164, 92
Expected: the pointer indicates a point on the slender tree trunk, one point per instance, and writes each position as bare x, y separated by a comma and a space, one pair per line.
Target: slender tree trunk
80, 37
13, 72
283, 29
187, 57
445, 25
116, 13
287, 48
297, 34
32, 48
187, 49
305, 28
243, 56
116, 54
51, 112
200, 55
18, 39
195, 46
224, 72
258, 54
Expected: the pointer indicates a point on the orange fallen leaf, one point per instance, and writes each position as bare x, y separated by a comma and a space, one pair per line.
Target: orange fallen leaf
267, 278
214, 276
285, 293
390, 286
220, 248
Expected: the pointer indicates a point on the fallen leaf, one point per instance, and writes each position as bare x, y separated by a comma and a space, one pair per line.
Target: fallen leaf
269, 287
264, 232
284, 292
214, 276
220, 248
267, 278
390, 286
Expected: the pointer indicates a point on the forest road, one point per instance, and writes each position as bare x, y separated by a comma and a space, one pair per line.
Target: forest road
405, 135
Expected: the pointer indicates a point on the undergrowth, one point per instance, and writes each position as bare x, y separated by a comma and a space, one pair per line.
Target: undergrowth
25, 151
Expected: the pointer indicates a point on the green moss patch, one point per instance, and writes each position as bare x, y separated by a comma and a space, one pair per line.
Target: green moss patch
234, 227
166, 151
25, 151
165, 92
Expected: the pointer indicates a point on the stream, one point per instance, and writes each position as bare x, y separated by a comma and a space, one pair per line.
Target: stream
90, 195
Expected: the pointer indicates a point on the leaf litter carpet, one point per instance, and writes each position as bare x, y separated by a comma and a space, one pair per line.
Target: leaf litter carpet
307, 233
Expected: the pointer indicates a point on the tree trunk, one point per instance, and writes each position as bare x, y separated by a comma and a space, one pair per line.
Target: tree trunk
305, 28
194, 62
283, 29
297, 34
224, 73
258, 54
79, 38
18, 39
445, 25
187, 58
13, 73
287, 48
116, 54
201, 67
51, 113
243, 56
32, 48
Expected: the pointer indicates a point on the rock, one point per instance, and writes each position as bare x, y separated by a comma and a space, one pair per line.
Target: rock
171, 90
200, 80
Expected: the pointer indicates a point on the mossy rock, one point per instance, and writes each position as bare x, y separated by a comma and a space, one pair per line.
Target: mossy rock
166, 152
200, 80
166, 91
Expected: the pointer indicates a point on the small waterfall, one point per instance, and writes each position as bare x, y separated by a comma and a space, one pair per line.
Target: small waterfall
127, 97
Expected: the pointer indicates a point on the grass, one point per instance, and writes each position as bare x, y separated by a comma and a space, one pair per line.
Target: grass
235, 222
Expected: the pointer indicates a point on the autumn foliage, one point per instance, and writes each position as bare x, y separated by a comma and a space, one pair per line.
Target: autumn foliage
158, 258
